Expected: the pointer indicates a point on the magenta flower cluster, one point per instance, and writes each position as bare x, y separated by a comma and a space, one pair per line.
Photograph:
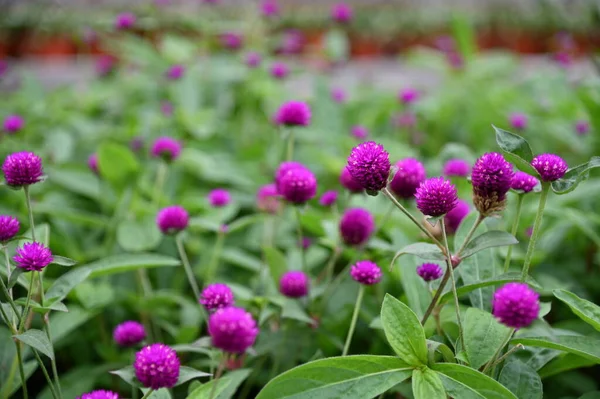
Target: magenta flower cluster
219, 198
456, 167
349, 183
366, 272
175, 72
99, 394
551, 167
33, 256
369, 165
172, 219
436, 197
297, 185
267, 199
518, 120
125, 21
429, 271
216, 296
279, 70
293, 113
232, 329
22, 169
328, 198
516, 305
294, 284
356, 226
129, 333
360, 132
166, 148
157, 366
13, 123
411, 173
9, 227
341, 12
456, 215
523, 182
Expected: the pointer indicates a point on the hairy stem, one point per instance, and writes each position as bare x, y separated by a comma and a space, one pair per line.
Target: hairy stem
187, 267
46, 375
147, 394
290, 146
536, 230
504, 343
29, 211
513, 231
21, 369
469, 235
8, 270
359, 298
220, 369
437, 296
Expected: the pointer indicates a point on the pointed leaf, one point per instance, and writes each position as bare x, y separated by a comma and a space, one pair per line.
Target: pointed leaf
38, 340
483, 336
291, 309
128, 262
574, 176
65, 283
62, 261
187, 373
117, 164
516, 150
586, 310
426, 384
587, 347
421, 249
443, 349
522, 380
15, 275
127, 374
466, 383
138, 236
204, 391
489, 239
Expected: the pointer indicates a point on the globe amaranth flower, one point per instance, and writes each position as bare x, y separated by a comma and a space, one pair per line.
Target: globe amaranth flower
456, 216
93, 163
359, 132
9, 227
22, 169
338, 95
33, 256
267, 199
232, 329
298, 185
356, 226
175, 72
408, 95
369, 165
582, 127
105, 65
216, 296
13, 123
456, 167
166, 148
129, 333
550, 166
279, 70
429, 271
253, 59
172, 219
157, 366
232, 40
328, 198
349, 183
405, 120
283, 169
99, 394
269, 8
436, 196
518, 121
516, 305
125, 21
219, 198
491, 178
523, 182
294, 284
293, 113
365, 272
411, 173
341, 12
292, 42
306, 243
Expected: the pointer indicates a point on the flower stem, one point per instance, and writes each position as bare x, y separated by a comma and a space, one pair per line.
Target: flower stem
186, 266
29, 211
492, 361
52, 360
147, 394
536, 229
359, 298
46, 375
513, 231
27, 302
21, 369
161, 176
290, 146
300, 237
213, 390
8, 270
478, 221
211, 270
331, 264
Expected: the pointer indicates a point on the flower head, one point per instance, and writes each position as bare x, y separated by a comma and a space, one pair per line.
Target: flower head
550, 167
279, 70
125, 21
306, 243
267, 199
172, 219
349, 183
253, 59
328, 198
491, 178
359, 132
366, 272
22, 169
13, 123
293, 113
9, 227
269, 8
516, 305
157, 366
298, 185
518, 120
523, 182
582, 127
129, 333
283, 169
456, 216
136, 143
411, 173
175, 72
216, 296
232, 329
408, 95
369, 165
294, 284
93, 163
292, 42
429, 271
356, 226
456, 167
436, 196
105, 65
338, 95
167, 148
219, 198
341, 12
99, 394
33, 256
405, 120
232, 40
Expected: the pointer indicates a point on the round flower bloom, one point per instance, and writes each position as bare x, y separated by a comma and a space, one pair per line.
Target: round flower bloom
408, 95
22, 169
341, 12
216, 296
445, 43
166, 108
366, 272
298, 185
456, 167
269, 8
105, 65
167, 148
411, 173
338, 95
219, 198
292, 42
582, 127
306, 243
356, 226
13, 123
253, 59
232, 40
328, 198
429, 271
436, 196
9, 227
293, 113
283, 169
294, 284
33, 256
349, 183
175, 72
359, 132
279, 70
125, 21
129, 333
100, 394
550, 167
232, 329
523, 182
93, 163
172, 219
267, 199
157, 366
456, 215
491, 178
405, 120
518, 120
516, 305
369, 165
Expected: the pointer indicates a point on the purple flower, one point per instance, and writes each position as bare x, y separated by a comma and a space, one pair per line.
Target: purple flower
125, 21
232, 40
436, 196
100, 394
269, 8
429, 271
550, 166
405, 120
356, 226
349, 183
22, 169
563, 58
283, 169
360, 132
445, 43
93, 163
105, 65
129, 333
306, 243
455, 60
3, 67
267, 199
408, 95
292, 42
491, 178
366, 272
279, 70
369, 165
516, 305
216, 296
338, 95
253, 59
166, 108
529, 231
172, 219
136, 144
13, 123
298, 185
166, 148
341, 12
518, 120
33, 256
232, 329
219, 198
9, 227
582, 127
293, 113
456, 216
157, 366
523, 182
175, 72
411, 173
456, 167
294, 284
328, 198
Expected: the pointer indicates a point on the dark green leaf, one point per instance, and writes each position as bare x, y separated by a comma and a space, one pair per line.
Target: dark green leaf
443, 349
128, 262
522, 380
62, 261
292, 310
127, 373
566, 362
38, 340
591, 395
587, 347
204, 391
426, 384
489, 239
277, 263
516, 150
117, 164
244, 222
483, 336
586, 310
138, 236
15, 275
65, 283
574, 176
187, 373
466, 383
235, 380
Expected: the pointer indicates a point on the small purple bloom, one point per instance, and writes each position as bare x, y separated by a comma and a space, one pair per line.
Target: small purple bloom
491, 176
292, 42
328, 198
166, 148
175, 72
172, 219
366, 272
33, 256
349, 183
360, 132
456, 216
405, 120
216, 296
456, 167
429, 271
582, 127
219, 198
125, 21
369, 165
341, 12
129, 333
279, 70
253, 59
22, 169
157, 366
523, 182
298, 185
411, 173
356, 226
563, 58
136, 144
93, 163
267, 199
9, 227
294, 284
550, 166
338, 95
306, 243
105, 65
518, 120
232, 329
283, 169
166, 108
293, 113
436, 196
232, 40
408, 95
99, 394
13, 123
455, 60
529, 231
269, 8
516, 305
445, 43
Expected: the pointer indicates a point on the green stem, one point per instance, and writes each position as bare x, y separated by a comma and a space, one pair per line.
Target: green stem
21, 370
290, 146
29, 211
186, 266
504, 343
211, 270
52, 360
331, 264
161, 176
27, 302
536, 229
359, 298
300, 237
147, 394
220, 369
10, 300
8, 270
513, 231
46, 375
478, 221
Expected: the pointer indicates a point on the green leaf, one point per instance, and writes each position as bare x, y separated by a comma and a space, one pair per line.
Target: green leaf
65, 283
187, 373
204, 391
466, 383
421, 249
38, 340
78, 182
591, 395
277, 263
489, 239
162, 393
291, 309
522, 380
404, 331
464, 34
62, 261
138, 236
516, 150
426, 384
586, 310
494, 281
587, 347
362, 376
15, 276
417, 293
128, 262
566, 362
443, 349
63, 323
574, 176
117, 164
244, 222
127, 374
10, 382
483, 336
